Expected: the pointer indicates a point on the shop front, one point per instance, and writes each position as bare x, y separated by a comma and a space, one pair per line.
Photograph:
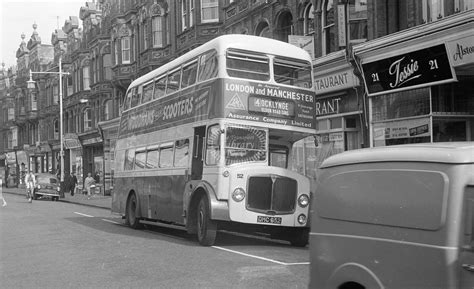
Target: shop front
109, 131
420, 83
339, 107
93, 158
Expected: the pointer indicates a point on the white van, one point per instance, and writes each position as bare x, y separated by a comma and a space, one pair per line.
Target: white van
395, 217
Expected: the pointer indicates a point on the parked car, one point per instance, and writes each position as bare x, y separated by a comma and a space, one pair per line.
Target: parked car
395, 217
47, 185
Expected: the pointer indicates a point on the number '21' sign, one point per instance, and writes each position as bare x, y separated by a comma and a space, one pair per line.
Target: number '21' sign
418, 68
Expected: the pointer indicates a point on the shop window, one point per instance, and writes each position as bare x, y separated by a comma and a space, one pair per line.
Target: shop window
446, 130
335, 122
351, 122
415, 102
454, 98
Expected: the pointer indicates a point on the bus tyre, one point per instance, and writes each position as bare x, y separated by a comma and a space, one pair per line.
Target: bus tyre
206, 228
299, 238
131, 213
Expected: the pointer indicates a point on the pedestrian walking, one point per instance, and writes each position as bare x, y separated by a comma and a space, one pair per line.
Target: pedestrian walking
88, 183
73, 183
30, 182
1, 193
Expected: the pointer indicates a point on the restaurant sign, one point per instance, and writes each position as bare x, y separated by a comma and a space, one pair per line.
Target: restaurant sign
415, 69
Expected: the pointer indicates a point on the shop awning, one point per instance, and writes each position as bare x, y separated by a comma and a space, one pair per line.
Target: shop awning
72, 144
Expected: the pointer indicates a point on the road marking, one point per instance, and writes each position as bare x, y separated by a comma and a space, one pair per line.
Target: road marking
258, 257
83, 214
110, 221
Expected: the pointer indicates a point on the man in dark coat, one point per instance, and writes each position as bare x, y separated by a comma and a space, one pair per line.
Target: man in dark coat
73, 183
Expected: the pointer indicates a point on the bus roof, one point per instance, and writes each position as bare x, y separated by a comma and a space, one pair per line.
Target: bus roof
449, 152
238, 41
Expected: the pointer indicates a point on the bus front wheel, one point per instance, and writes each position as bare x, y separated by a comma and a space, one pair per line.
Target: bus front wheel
206, 228
131, 215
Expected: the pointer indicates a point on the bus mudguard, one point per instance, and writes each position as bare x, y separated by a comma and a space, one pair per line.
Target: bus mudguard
219, 209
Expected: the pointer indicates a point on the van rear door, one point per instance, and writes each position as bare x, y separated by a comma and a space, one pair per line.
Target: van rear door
466, 259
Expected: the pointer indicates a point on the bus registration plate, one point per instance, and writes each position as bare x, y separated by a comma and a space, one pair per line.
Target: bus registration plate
269, 220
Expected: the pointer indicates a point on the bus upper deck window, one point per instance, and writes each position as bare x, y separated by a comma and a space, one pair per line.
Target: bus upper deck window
173, 81
126, 101
189, 75
136, 94
249, 65
292, 72
160, 88
148, 92
208, 66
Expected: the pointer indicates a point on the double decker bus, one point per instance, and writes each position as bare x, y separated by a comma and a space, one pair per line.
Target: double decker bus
205, 141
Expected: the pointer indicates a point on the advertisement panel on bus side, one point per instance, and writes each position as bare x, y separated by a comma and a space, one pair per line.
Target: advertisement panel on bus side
224, 98
268, 103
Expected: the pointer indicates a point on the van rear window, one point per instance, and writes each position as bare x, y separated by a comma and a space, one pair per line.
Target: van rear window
411, 199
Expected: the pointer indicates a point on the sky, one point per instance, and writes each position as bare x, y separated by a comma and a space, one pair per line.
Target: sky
18, 16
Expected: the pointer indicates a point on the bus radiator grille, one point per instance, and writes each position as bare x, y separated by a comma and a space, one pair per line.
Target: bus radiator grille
266, 193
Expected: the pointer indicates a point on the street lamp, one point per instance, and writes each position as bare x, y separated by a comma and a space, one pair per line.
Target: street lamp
31, 86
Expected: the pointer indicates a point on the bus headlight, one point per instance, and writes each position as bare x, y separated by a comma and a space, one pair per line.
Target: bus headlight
238, 195
303, 200
302, 219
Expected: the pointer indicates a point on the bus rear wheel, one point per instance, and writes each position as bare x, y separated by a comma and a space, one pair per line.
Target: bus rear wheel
131, 213
206, 228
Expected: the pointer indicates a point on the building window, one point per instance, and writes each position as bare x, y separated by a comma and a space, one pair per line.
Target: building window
463, 5
55, 93
329, 30
191, 13
157, 29
209, 11
432, 10
107, 63
125, 50
11, 113
86, 77
183, 15
263, 30
309, 19
358, 20
116, 52
70, 87
56, 128
87, 119
108, 110
145, 35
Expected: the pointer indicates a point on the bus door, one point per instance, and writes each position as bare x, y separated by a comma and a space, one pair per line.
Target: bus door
197, 162
467, 250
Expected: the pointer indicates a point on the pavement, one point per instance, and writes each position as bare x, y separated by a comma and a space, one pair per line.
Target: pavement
97, 200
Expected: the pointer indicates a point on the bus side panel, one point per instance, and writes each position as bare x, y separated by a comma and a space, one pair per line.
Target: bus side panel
161, 197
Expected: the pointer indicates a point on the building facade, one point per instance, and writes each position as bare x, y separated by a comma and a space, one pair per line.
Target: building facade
355, 44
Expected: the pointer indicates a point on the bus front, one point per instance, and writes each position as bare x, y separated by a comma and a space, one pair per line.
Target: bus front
268, 105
